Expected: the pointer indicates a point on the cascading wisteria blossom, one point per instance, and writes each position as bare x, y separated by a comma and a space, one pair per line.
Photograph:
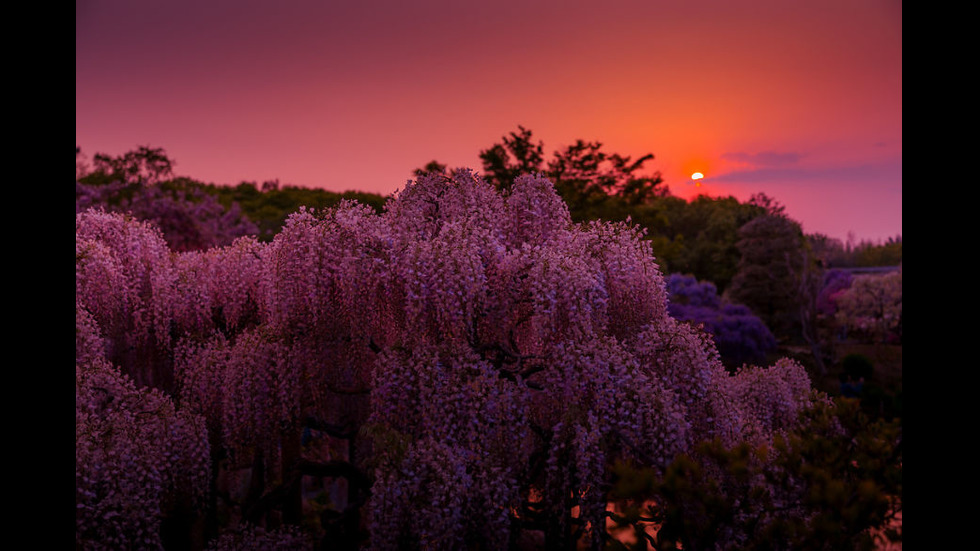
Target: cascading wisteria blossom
136, 456
456, 467
771, 398
125, 278
484, 359
220, 287
325, 279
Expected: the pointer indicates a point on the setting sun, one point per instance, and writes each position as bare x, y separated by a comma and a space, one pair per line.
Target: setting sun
697, 176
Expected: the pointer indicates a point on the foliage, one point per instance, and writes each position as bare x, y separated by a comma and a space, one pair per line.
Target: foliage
769, 274
704, 235
834, 481
687, 291
863, 254
871, 373
888, 253
144, 165
584, 175
482, 358
740, 335
270, 204
515, 157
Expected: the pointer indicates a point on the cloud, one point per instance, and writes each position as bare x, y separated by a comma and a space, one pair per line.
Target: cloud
764, 158
887, 174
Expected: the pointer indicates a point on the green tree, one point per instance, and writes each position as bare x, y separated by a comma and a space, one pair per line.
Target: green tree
888, 253
145, 165
810, 280
834, 483
432, 167
270, 204
517, 155
769, 271
583, 173
81, 164
703, 235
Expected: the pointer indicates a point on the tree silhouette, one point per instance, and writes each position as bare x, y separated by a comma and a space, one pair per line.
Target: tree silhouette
504, 162
145, 165
582, 173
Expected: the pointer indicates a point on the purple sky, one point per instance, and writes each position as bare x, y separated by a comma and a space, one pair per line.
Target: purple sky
800, 100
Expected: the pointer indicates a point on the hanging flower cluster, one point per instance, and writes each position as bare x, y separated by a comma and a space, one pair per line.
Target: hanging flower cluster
135, 455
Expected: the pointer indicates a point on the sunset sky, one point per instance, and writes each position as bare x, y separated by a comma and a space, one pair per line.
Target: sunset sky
799, 100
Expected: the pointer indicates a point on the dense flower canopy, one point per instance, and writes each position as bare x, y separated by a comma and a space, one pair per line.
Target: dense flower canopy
740, 336
496, 357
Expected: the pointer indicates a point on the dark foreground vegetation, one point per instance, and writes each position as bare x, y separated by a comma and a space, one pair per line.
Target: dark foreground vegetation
542, 356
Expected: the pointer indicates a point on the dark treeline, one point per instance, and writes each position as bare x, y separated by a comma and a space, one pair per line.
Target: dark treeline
697, 237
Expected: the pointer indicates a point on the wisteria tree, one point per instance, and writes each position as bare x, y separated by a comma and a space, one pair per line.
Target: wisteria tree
872, 305
835, 282
476, 361
738, 334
